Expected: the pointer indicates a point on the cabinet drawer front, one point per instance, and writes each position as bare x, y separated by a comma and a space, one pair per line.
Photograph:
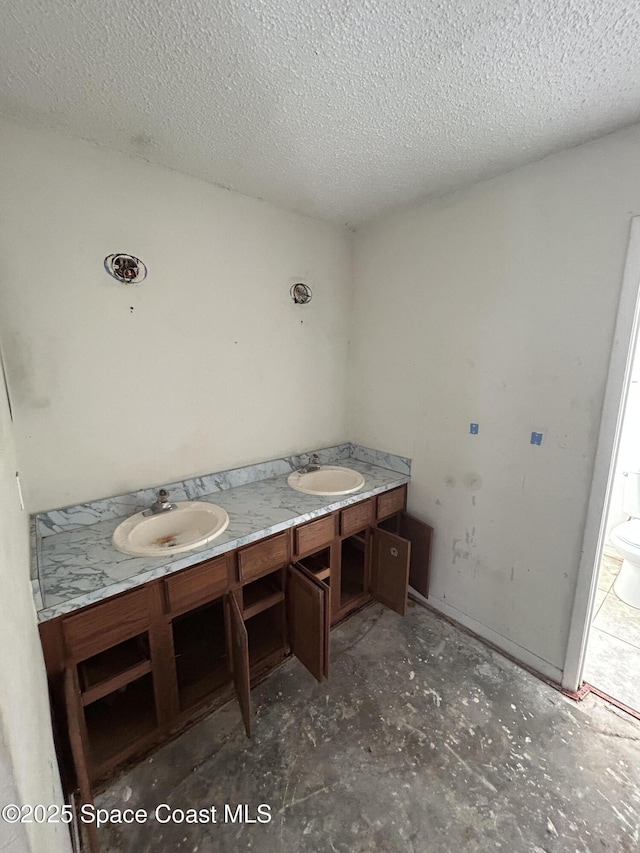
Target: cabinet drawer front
106, 625
197, 585
315, 535
390, 502
355, 518
257, 560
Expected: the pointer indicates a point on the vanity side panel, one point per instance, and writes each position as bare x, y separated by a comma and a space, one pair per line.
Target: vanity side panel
52, 640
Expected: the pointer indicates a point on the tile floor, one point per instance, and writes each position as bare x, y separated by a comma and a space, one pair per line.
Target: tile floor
613, 653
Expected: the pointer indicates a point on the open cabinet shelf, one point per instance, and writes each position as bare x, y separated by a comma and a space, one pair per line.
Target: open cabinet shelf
120, 719
262, 594
114, 668
200, 647
352, 570
319, 564
266, 633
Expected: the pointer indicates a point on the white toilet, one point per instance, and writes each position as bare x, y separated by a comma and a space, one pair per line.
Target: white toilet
625, 538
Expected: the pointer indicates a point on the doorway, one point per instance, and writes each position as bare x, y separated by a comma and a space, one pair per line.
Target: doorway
600, 563
613, 649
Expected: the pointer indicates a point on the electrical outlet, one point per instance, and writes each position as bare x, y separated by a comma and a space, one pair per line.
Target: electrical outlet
536, 438
473, 429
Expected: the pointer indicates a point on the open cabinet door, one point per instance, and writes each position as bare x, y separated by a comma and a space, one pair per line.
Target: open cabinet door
390, 556
78, 740
309, 618
240, 658
421, 537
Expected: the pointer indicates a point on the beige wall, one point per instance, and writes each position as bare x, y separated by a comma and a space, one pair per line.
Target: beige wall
496, 305
27, 759
206, 365
13, 837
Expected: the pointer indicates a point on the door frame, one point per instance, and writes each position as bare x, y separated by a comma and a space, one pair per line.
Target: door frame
615, 399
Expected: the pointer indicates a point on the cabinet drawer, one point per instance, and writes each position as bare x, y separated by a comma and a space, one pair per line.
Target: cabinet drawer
355, 518
263, 557
198, 585
390, 502
314, 535
106, 625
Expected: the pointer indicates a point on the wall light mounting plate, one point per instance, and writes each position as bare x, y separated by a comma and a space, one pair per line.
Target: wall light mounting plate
125, 268
301, 293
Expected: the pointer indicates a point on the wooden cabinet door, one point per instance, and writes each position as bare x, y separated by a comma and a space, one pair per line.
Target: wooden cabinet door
421, 536
390, 556
309, 620
240, 654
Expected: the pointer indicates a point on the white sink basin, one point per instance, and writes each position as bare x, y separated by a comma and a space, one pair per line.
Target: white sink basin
190, 525
327, 480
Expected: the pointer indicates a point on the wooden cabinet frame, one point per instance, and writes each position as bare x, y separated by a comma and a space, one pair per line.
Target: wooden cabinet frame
393, 551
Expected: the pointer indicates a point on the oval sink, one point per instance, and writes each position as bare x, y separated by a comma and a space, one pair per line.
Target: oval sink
190, 525
327, 480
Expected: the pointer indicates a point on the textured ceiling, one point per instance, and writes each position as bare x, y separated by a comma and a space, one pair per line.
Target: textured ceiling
342, 109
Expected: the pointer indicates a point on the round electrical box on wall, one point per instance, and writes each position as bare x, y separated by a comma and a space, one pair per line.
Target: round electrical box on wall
125, 268
300, 293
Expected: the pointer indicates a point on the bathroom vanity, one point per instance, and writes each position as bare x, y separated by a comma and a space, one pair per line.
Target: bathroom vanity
130, 670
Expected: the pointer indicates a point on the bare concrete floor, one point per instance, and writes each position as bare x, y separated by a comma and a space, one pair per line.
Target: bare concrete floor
422, 739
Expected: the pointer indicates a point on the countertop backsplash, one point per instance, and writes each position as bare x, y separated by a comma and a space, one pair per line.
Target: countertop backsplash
71, 517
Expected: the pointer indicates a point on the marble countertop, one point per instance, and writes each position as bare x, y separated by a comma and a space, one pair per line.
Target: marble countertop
80, 567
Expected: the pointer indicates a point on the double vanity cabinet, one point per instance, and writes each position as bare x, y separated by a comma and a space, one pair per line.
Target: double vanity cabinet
133, 669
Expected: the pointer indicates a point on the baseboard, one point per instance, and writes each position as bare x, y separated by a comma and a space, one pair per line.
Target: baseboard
501, 644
